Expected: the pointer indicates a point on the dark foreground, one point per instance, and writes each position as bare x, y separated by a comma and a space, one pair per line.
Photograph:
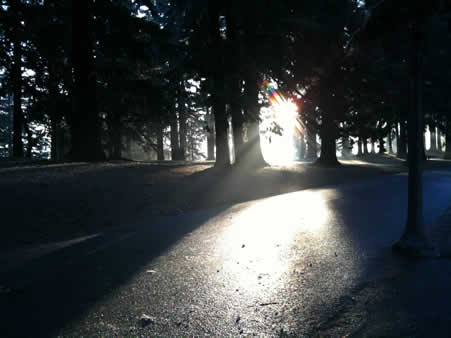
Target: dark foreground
313, 262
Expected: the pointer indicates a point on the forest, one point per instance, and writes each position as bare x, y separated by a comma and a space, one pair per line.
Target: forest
225, 168
188, 80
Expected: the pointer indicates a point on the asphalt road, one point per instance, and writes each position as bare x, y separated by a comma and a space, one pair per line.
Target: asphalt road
302, 263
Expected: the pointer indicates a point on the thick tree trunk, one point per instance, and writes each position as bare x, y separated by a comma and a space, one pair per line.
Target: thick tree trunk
402, 149
210, 136
253, 150
86, 143
235, 84
359, 146
16, 77
328, 155
373, 146
218, 78
221, 124
381, 145
414, 240
254, 155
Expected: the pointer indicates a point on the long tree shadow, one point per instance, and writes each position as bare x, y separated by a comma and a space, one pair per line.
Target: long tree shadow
391, 295
44, 295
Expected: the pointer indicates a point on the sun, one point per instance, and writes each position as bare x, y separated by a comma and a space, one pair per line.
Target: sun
279, 149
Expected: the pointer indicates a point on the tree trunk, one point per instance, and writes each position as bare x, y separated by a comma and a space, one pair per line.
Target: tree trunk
432, 139
381, 145
175, 149
86, 142
390, 140
328, 155
359, 146
235, 84
254, 155
182, 119
365, 146
414, 240
16, 77
210, 136
312, 148
402, 149
373, 146
217, 95
53, 109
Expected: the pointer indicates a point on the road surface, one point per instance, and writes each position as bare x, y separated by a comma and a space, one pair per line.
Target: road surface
302, 263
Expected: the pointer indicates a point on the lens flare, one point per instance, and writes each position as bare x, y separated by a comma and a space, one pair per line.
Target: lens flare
282, 122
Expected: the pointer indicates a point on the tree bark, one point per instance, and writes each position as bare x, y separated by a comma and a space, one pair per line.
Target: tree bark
210, 136
253, 150
414, 240
217, 95
365, 146
390, 140
53, 108
235, 84
359, 146
182, 119
16, 77
381, 145
402, 149
86, 143
432, 138
328, 131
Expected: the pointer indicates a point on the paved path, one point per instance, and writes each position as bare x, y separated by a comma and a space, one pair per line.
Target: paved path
304, 263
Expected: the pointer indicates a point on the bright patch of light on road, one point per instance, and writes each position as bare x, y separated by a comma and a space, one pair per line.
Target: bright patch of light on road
254, 245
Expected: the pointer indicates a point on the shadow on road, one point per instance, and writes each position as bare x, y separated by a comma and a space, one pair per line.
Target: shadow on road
45, 294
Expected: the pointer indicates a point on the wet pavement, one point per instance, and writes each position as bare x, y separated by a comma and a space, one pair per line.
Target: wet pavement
313, 262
